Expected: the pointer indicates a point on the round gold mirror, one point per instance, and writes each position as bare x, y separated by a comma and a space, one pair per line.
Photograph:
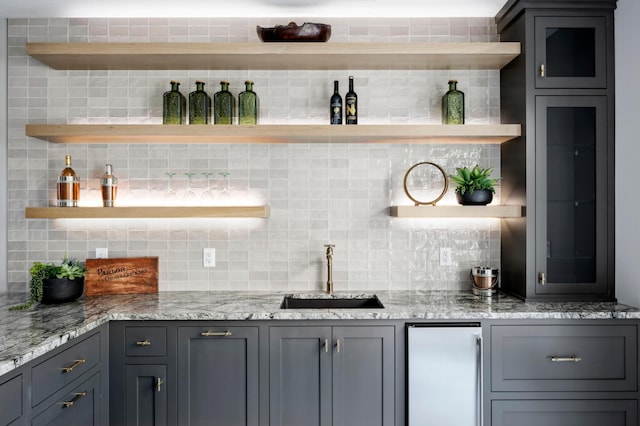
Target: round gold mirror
425, 183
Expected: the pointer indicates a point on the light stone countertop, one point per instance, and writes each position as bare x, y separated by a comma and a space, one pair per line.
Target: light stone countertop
25, 335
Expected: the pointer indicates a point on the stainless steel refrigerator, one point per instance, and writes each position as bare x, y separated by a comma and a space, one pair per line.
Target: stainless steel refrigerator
444, 374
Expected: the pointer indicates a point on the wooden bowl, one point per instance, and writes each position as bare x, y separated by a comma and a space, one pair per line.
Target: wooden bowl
307, 32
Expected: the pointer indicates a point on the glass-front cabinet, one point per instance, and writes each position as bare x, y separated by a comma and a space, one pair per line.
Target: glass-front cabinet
571, 194
562, 89
570, 52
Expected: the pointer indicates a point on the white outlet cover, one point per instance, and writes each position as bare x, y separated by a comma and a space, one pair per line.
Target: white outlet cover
445, 256
102, 253
209, 257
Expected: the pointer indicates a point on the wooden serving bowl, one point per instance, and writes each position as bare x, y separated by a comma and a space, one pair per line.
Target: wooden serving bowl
307, 32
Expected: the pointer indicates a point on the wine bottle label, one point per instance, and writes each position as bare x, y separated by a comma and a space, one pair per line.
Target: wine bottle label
350, 110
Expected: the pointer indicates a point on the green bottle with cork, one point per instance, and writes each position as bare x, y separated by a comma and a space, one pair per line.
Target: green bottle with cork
223, 105
248, 105
199, 105
453, 105
174, 105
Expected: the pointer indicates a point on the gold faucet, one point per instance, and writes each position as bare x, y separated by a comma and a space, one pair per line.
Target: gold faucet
329, 267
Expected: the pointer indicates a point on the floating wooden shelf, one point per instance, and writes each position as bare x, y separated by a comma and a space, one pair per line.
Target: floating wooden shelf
273, 56
381, 133
151, 212
456, 211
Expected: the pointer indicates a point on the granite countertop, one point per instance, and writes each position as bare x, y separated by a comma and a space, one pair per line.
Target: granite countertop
31, 333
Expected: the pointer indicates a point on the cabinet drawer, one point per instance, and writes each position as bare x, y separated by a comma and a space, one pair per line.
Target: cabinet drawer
564, 412
564, 358
10, 399
81, 406
59, 370
145, 341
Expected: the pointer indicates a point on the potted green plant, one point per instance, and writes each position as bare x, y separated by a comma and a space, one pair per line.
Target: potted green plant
52, 283
474, 187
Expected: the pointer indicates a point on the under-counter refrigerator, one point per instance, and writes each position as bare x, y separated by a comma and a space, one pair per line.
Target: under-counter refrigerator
444, 374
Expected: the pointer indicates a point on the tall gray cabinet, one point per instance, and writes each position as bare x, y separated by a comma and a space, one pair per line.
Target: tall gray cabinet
561, 88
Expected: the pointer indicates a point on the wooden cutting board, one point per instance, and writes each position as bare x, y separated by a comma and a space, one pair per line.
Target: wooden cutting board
126, 275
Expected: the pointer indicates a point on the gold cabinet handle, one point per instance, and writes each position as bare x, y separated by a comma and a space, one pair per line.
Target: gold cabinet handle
76, 397
225, 333
338, 345
145, 342
542, 278
75, 364
571, 358
325, 345
542, 70
159, 383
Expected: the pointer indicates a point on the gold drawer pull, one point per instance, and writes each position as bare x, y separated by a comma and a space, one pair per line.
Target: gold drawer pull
144, 342
226, 333
75, 364
572, 358
76, 397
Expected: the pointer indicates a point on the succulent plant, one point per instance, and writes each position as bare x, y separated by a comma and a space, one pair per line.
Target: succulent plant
474, 179
68, 268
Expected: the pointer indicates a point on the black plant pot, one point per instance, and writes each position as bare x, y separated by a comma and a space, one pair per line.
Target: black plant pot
61, 290
479, 197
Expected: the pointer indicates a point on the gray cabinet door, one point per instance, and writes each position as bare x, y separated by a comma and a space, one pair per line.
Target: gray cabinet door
340, 376
570, 52
571, 195
300, 376
11, 390
145, 395
218, 373
363, 376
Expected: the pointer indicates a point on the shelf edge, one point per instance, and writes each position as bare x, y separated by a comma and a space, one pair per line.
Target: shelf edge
151, 212
496, 211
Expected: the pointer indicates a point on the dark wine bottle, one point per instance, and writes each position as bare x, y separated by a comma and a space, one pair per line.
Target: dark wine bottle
335, 106
351, 101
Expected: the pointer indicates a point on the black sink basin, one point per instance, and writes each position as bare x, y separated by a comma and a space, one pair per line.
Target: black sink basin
291, 302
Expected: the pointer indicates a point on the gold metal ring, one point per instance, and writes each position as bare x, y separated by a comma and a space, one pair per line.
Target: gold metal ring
432, 202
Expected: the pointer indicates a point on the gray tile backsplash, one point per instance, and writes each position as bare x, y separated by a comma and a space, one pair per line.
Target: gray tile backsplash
318, 193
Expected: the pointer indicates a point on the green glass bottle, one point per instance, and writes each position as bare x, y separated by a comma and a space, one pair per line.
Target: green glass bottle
199, 105
174, 106
223, 105
248, 105
453, 105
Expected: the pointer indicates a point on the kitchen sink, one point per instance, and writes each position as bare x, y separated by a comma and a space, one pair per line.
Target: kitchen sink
293, 302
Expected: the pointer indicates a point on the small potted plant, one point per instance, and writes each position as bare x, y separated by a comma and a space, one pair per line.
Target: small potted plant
474, 187
52, 283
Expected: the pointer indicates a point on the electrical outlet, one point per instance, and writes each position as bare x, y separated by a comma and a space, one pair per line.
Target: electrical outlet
445, 256
102, 253
209, 257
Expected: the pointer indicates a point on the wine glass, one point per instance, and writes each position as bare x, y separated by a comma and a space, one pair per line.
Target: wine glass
189, 195
207, 195
224, 193
170, 196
